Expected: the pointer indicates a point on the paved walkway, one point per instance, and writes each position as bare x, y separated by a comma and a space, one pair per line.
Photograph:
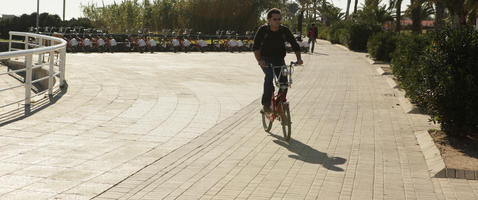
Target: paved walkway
350, 141
140, 127
121, 112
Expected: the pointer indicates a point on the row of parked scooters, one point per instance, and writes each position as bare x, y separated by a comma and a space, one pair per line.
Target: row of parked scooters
96, 40
155, 44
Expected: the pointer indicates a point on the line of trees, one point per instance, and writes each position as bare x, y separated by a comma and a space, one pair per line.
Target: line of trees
207, 16
25, 21
460, 12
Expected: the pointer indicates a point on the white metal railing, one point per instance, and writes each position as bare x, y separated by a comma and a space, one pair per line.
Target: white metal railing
36, 45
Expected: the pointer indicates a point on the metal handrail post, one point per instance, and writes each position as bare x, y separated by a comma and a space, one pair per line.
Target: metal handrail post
26, 42
50, 74
40, 56
62, 66
28, 79
10, 42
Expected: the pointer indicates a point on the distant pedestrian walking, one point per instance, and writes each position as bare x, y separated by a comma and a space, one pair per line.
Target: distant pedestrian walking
313, 32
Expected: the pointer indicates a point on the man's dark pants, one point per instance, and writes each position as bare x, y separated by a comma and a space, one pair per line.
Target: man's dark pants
269, 77
313, 44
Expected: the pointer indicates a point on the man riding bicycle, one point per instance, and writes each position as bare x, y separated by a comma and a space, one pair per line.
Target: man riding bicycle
269, 49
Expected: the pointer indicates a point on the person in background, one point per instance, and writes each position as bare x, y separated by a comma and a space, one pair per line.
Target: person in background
313, 32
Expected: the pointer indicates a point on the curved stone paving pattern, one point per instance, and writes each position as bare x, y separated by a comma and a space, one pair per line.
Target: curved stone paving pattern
350, 141
11, 95
128, 129
121, 113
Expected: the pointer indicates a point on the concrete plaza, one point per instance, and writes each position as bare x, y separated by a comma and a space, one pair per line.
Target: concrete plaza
187, 126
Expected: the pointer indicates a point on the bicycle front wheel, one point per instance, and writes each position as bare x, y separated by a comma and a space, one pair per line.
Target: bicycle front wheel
266, 122
286, 121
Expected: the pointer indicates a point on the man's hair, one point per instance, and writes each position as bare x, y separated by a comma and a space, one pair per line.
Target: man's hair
273, 11
313, 24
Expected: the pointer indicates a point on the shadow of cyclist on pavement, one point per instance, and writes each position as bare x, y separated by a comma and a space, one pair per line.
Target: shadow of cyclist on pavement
308, 154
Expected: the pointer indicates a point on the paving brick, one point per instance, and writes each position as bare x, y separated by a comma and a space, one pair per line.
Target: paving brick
156, 130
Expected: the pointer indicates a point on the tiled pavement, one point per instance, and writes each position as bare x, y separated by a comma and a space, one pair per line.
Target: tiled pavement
121, 112
351, 140
188, 127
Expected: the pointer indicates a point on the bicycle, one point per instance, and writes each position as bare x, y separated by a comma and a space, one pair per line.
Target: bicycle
280, 105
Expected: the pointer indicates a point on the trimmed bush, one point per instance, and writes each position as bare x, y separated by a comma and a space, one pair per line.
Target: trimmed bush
323, 32
439, 73
356, 35
451, 66
406, 68
334, 33
381, 45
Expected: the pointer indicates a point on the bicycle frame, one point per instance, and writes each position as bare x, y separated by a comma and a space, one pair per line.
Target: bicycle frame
284, 71
280, 98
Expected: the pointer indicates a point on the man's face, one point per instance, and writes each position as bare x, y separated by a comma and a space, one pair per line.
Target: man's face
275, 20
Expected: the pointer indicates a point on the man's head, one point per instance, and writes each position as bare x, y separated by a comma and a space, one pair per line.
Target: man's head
274, 17
313, 25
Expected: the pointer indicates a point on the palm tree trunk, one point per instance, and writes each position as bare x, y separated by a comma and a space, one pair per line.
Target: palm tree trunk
440, 13
355, 7
398, 9
462, 13
458, 11
348, 9
315, 10
416, 13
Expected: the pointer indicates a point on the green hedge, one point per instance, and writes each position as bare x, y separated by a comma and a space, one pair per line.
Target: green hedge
451, 63
356, 35
323, 32
334, 33
439, 72
406, 68
381, 45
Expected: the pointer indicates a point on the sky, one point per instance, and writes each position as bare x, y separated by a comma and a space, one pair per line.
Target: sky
73, 7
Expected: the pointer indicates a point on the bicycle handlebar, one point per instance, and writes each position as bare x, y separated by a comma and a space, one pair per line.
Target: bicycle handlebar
280, 66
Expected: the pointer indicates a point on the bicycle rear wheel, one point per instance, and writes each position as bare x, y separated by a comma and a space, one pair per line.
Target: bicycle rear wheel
266, 123
286, 121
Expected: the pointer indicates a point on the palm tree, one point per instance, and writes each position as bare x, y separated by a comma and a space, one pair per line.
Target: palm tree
315, 5
440, 14
374, 13
348, 9
330, 13
463, 11
397, 5
355, 7
472, 11
457, 10
415, 8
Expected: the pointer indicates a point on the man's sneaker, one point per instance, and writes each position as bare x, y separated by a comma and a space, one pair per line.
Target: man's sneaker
266, 109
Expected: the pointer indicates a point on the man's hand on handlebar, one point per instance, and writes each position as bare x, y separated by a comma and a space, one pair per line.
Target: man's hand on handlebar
262, 63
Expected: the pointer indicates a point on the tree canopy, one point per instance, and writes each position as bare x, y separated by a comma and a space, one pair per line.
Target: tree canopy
200, 15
